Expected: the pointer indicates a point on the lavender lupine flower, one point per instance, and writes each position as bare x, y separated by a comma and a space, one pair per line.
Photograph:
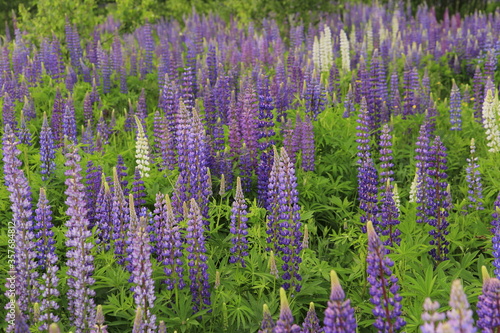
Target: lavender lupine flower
142, 152
431, 317
138, 190
103, 129
80, 261
69, 122
99, 326
56, 120
285, 322
410, 86
88, 111
47, 261
47, 150
267, 325
473, 177
238, 227
169, 245
339, 315
142, 108
22, 272
24, 133
149, 47
103, 215
120, 219
394, 95
198, 268
455, 108
488, 304
307, 144
367, 191
20, 325
389, 217
311, 321
422, 155
383, 286
349, 107
141, 276
478, 89
92, 185
121, 171
460, 316
8, 112
386, 164
73, 45
29, 108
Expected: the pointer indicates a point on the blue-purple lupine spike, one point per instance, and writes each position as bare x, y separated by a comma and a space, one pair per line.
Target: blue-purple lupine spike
490, 63
147, 64
422, 156
47, 261
311, 321
455, 108
307, 144
339, 315
285, 324
104, 215
120, 219
188, 77
212, 65
478, 91
29, 108
239, 227
495, 224
69, 122
8, 112
389, 216
473, 177
80, 260
386, 163
197, 259
102, 129
23, 273
169, 244
24, 133
383, 286
460, 316
73, 45
488, 304
142, 275
409, 98
56, 120
88, 110
223, 93
138, 190
248, 123
47, 150
267, 325
105, 69
92, 186
71, 78
349, 107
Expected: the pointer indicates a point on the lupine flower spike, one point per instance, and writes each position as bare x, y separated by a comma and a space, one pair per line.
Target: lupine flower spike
142, 151
267, 325
311, 322
460, 316
339, 315
488, 305
285, 322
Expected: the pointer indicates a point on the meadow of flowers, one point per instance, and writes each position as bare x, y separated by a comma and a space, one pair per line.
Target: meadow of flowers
212, 176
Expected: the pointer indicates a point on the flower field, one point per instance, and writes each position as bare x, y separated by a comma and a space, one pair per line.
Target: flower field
213, 176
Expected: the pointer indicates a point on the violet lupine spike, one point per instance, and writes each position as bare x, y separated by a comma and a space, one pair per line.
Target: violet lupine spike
138, 190
488, 304
121, 170
389, 217
478, 93
267, 325
169, 244
422, 156
473, 177
73, 45
88, 111
386, 164
311, 321
455, 108
285, 322
197, 259
69, 122
103, 215
142, 274
239, 227
47, 150
120, 219
23, 275
92, 185
147, 65
47, 261
8, 112
307, 144
80, 261
368, 192
432, 319
56, 119
24, 133
383, 286
349, 107
249, 123
495, 223
142, 108
460, 316
339, 315
99, 326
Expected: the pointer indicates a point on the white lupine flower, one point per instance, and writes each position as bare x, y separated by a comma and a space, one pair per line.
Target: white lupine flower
344, 50
395, 196
315, 55
413, 187
142, 151
369, 37
326, 53
491, 120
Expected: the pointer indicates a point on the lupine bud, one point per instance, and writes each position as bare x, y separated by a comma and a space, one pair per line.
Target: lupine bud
339, 315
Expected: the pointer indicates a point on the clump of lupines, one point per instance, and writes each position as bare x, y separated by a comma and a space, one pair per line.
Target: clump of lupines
239, 227
23, 276
80, 261
455, 108
339, 315
473, 177
46, 260
488, 304
383, 286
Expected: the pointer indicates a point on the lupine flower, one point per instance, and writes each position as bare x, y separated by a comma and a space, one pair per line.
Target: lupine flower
339, 315
238, 227
311, 322
47, 150
141, 276
386, 163
344, 50
488, 304
138, 190
80, 261
495, 223
455, 108
473, 177
142, 151
24, 133
69, 122
8, 112
490, 121
431, 317
138, 321
273, 269
307, 144
285, 322
460, 316
383, 286
267, 325
389, 217
23, 274
104, 215
120, 219
422, 156
54, 328
197, 260
99, 326
47, 260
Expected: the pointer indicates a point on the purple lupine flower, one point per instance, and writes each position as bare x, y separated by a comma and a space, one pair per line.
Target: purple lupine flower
478, 93
410, 78
47, 150
311, 321
99, 326
71, 78
460, 316
383, 286
88, 111
249, 123
386, 163
56, 120
455, 108
92, 186
69, 122
488, 304
29, 108
103, 129
267, 325
149, 47
80, 261
389, 217
24, 133
138, 190
168, 245
47, 261
473, 177
422, 156
188, 77
142, 108
349, 107
8, 112
22, 272
431, 317
142, 274
121, 170
238, 227
368, 191
197, 260
103, 214
120, 219
307, 144
339, 315
20, 325
73, 44
437, 205
285, 322
495, 223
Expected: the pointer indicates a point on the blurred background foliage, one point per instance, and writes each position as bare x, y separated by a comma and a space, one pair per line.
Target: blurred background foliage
47, 17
